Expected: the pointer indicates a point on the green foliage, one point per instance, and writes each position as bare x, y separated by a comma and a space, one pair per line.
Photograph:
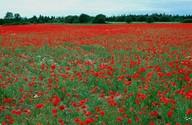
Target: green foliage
120, 18
8, 16
15, 19
17, 51
150, 19
128, 19
100, 18
84, 18
187, 21
141, 18
155, 17
33, 19
1, 21
72, 19
164, 18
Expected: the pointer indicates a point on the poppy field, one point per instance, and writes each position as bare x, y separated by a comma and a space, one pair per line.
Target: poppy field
123, 74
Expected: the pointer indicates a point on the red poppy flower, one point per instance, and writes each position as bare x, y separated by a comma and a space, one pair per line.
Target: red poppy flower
62, 108
170, 113
119, 119
189, 111
142, 69
40, 105
102, 113
53, 66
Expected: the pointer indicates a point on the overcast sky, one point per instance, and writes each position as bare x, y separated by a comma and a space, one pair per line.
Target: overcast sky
29, 8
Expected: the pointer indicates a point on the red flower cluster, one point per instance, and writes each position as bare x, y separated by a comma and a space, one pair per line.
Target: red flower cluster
39, 106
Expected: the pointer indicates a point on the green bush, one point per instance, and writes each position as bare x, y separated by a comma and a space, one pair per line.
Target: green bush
100, 18
187, 21
128, 19
150, 19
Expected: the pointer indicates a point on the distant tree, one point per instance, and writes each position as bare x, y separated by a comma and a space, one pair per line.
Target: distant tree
8, 16
112, 18
128, 19
70, 19
1, 21
100, 18
141, 18
17, 17
55, 20
46, 19
149, 19
155, 17
33, 19
51, 20
164, 18
84, 18
177, 18
61, 19
76, 19
120, 18
13, 19
52, 17
41, 19
187, 21
133, 17
25, 20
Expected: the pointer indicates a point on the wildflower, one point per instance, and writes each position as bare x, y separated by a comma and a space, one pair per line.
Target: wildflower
119, 119
125, 90
54, 111
62, 108
2, 108
77, 120
142, 69
56, 101
16, 112
42, 66
21, 90
102, 113
11, 120
89, 121
189, 111
39, 106
27, 112
53, 66
151, 123
127, 83
129, 121
160, 74
170, 113
188, 94
25, 79
155, 114
68, 68
61, 121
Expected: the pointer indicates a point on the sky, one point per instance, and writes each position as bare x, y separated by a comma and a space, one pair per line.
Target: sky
28, 8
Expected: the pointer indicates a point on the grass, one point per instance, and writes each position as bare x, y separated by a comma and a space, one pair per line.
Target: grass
167, 22
108, 22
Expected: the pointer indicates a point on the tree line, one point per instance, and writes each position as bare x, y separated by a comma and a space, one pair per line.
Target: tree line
13, 19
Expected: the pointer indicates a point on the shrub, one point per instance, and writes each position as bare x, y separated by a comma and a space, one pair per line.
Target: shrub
100, 18
187, 21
